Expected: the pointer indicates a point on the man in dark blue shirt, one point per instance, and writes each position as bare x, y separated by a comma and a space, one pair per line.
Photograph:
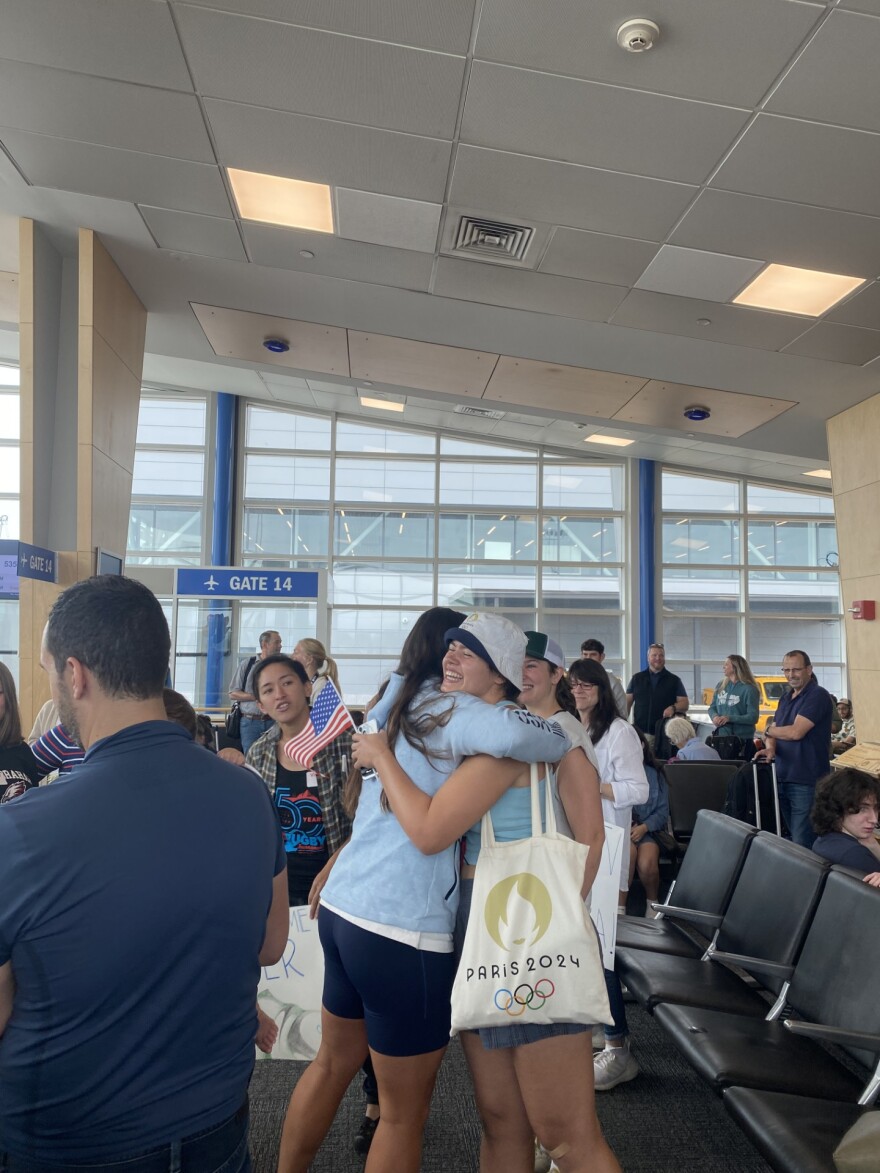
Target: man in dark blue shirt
800, 741
141, 896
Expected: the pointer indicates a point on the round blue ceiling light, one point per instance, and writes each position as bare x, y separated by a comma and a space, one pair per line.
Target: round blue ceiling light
277, 345
697, 413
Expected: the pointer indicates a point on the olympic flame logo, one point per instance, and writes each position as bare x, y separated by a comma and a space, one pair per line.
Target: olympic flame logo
504, 912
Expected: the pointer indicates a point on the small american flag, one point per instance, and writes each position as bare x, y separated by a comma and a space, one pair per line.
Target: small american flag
328, 718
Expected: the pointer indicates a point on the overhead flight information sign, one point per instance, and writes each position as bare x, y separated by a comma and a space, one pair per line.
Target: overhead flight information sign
245, 582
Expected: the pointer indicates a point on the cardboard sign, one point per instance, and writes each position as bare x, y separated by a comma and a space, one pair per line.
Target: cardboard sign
290, 991
603, 895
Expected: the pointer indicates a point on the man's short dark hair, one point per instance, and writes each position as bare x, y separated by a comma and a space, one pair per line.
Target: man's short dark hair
116, 628
593, 645
277, 658
265, 636
839, 794
803, 655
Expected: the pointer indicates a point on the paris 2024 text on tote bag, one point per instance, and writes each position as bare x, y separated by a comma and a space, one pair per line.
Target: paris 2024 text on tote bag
531, 954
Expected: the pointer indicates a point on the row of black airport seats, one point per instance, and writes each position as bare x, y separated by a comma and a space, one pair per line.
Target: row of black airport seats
763, 969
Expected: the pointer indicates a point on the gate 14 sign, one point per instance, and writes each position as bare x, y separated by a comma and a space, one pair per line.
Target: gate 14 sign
241, 582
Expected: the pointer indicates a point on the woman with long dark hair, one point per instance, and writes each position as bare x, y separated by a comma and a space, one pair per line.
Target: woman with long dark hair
623, 785
18, 769
388, 911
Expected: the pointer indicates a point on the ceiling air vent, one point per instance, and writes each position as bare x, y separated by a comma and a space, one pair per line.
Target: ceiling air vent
485, 413
491, 238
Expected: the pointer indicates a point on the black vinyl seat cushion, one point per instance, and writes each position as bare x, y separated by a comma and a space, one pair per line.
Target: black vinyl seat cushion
660, 936
731, 1050
795, 1134
656, 977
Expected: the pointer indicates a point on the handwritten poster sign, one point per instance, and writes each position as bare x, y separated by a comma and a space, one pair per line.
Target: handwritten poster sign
290, 991
603, 895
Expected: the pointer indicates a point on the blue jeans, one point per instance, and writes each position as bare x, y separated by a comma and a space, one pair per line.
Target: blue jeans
795, 804
618, 1010
252, 729
223, 1148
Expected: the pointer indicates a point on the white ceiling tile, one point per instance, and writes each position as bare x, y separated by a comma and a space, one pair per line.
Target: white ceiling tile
733, 324
705, 50
313, 72
784, 232
424, 23
835, 342
844, 54
862, 6
134, 41
807, 163
383, 219
323, 151
691, 273
594, 256
118, 175
110, 113
861, 310
280, 248
186, 232
193, 375
566, 194
525, 290
283, 382
554, 117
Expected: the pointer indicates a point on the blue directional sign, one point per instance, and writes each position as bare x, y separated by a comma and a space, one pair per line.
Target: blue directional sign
35, 562
246, 582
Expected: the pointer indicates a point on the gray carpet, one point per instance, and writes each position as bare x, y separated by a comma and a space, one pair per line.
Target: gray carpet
665, 1121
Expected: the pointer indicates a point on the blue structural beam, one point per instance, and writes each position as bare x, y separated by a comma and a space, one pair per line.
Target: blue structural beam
221, 544
647, 555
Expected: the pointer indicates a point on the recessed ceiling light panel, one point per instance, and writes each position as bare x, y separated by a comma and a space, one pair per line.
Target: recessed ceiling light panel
823, 474
273, 199
382, 404
797, 291
614, 441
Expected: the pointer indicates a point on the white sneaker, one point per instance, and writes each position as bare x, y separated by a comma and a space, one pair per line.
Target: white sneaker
612, 1066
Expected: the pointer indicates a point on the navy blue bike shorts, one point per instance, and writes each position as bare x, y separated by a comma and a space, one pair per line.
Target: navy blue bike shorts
402, 994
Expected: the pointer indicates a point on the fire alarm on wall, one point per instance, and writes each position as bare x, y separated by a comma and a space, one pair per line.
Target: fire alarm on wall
638, 35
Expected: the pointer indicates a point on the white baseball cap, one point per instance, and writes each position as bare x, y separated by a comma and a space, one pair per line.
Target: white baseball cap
496, 640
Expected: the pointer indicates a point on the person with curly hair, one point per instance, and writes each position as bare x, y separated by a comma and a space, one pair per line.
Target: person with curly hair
844, 817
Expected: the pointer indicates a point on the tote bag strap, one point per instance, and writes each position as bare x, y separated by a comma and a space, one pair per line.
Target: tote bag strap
487, 831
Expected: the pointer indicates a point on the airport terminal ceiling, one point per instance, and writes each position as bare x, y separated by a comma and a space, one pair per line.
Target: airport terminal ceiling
525, 219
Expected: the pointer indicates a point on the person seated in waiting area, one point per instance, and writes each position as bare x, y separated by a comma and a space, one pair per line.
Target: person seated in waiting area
649, 821
683, 736
844, 817
845, 737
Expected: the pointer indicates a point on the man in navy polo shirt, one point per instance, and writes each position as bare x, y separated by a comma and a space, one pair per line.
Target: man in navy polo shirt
141, 896
800, 739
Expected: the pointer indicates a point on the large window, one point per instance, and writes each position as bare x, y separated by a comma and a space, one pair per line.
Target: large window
166, 524
10, 489
404, 519
748, 568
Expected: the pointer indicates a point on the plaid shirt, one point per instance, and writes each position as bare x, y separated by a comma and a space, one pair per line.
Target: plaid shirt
331, 767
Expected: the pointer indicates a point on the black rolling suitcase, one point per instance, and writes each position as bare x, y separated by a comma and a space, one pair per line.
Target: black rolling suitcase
753, 797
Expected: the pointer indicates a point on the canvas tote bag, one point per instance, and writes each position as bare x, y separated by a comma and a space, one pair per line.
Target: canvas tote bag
531, 954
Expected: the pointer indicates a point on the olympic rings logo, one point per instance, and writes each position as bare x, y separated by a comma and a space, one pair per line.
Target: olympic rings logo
516, 1002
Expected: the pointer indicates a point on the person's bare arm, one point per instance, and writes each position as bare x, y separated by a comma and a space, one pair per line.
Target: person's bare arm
277, 923
578, 784
629, 703
797, 731
319, 881
434, 822
7, 994
238, 695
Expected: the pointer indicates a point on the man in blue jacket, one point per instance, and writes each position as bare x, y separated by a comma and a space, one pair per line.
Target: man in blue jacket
799, 740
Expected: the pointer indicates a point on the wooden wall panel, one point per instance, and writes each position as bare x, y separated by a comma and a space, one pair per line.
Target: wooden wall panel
855, 468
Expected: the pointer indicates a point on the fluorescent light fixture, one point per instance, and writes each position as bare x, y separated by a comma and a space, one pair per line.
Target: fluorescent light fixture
797, 291
824, 474
382, 404
614, 441
272, 199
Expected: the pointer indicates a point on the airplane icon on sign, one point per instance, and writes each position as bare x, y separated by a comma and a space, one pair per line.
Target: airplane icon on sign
211, 583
